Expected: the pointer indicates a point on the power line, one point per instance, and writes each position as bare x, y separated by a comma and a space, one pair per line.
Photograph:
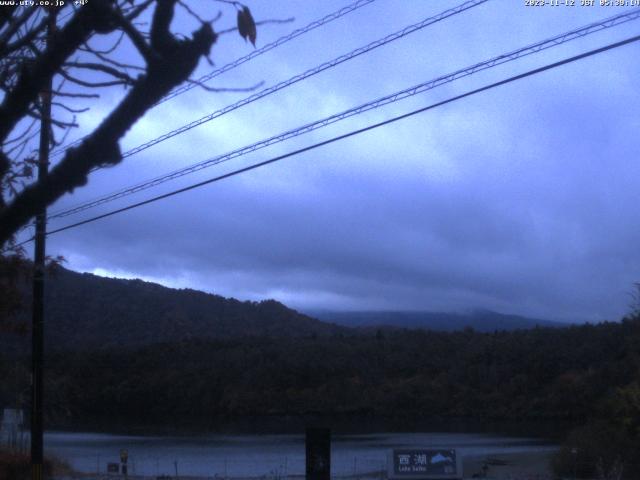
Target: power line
255, 53
280, 41
353, 133
309, 73
408, 92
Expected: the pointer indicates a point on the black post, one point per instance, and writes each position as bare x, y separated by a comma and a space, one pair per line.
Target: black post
37, 320
318, 454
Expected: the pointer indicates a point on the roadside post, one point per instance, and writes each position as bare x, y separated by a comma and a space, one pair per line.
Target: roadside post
424, 464
318, 454
124, 456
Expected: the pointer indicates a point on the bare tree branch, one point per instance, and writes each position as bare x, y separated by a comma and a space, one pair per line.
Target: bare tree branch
109, 50
22, 135
32, 80
54, 121
24, 40
27, 64
137, 39
14, 25
6, 14
102, 68
226, 89
69, 109
127, 81
59, 93
113, 62
172, 63
138, 10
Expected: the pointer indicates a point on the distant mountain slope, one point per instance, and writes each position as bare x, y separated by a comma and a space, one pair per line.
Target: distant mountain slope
480, 320
85, 310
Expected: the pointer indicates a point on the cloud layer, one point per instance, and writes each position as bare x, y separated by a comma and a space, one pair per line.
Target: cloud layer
523, 199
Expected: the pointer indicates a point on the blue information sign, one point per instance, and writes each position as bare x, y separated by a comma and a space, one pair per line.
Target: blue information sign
426, 464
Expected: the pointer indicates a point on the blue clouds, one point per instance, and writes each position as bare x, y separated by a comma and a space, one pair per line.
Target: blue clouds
522, 199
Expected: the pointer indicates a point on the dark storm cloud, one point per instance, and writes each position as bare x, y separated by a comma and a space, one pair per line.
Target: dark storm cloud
523, 199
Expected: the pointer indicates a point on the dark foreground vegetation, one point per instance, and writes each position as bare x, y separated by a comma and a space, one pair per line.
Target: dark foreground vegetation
17, 466
245, 363
562, 374
584, 375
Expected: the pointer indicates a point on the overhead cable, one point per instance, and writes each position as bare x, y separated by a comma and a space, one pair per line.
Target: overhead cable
388, 99
255, 53
351, 134
307, 74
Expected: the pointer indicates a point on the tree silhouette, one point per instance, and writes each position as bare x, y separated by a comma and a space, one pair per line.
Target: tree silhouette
79, 69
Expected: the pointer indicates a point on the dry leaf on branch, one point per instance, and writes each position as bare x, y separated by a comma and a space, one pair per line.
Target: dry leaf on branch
246, 25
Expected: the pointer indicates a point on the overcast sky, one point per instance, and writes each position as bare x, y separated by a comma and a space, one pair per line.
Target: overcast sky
523, 199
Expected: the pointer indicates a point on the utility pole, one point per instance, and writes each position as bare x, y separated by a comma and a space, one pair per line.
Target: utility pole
37, 321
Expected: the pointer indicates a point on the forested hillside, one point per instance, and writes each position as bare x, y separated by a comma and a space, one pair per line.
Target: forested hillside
481, 320
587, 376
88, 311
135, 356
565, 374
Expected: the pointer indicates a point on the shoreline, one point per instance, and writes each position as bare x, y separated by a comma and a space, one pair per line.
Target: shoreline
533, 464
500, 466
516, 465
347, 424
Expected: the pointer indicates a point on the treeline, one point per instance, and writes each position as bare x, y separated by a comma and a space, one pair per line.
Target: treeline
570, 374
587, 376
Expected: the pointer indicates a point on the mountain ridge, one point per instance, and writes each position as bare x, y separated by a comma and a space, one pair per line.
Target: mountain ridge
480, 319
87, 311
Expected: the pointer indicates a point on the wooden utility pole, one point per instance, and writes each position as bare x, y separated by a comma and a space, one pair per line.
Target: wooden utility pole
37, 320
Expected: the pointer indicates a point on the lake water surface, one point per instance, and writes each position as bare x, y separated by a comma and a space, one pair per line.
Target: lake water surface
257, 455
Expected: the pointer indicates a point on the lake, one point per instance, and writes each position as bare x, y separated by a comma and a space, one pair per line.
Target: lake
258, 455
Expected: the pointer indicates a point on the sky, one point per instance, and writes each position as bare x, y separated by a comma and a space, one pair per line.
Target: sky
522, 199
